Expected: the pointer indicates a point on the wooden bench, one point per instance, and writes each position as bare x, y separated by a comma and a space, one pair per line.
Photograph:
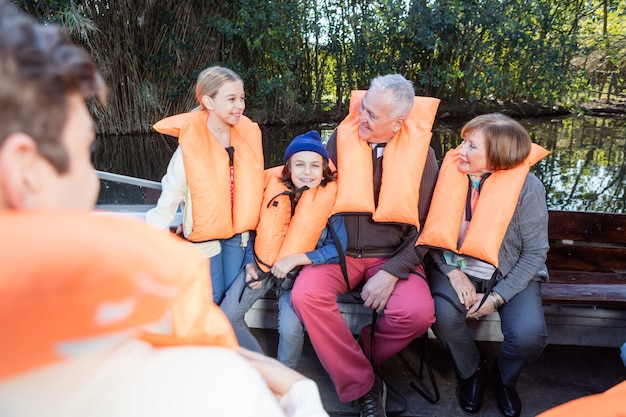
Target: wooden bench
584, 302
587, 259
585, 299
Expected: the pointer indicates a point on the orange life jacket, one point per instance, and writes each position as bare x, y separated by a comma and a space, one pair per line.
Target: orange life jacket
610, 403
71, 277
491, 217
279, 234
403, 165
207, 167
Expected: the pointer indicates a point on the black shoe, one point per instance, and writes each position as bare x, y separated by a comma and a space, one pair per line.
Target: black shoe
508, 401
373, 403
471, 390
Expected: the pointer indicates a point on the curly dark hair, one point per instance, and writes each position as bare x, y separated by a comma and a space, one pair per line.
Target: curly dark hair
40, 66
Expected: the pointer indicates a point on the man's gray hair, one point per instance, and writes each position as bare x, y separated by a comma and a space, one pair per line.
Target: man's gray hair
402, 88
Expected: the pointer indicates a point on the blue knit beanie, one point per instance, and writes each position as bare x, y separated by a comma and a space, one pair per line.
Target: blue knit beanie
309, 141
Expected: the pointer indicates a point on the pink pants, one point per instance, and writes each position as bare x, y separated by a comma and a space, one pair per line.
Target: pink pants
408, 314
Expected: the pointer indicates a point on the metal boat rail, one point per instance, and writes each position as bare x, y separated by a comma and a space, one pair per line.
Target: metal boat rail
129, 196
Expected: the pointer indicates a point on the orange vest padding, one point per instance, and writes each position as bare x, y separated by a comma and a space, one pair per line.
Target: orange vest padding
492, 214
71, 277
403, 165
280, 235
208, 174
611, 403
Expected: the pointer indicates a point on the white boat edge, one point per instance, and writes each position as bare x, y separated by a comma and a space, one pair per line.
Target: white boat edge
135, 211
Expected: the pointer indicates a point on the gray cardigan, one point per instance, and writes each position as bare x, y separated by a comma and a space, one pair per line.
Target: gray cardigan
525, 246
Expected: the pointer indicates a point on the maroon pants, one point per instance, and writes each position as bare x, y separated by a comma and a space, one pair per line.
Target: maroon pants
408, 314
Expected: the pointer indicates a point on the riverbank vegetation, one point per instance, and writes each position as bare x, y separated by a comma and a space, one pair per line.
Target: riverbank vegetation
301, 58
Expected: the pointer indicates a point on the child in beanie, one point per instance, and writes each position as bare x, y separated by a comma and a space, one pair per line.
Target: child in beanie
294, 230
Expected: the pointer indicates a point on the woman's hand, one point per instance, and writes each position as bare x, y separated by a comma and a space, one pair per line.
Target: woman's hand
487, 308
251, 273
463, 287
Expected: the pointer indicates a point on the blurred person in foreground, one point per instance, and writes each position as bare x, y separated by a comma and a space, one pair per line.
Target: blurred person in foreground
101, 315
610, 403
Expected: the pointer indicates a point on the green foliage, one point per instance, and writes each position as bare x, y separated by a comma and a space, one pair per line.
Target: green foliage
603, 46
302, 57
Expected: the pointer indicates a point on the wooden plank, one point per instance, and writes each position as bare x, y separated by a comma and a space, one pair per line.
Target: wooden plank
607, 295
586, 258
567, 324
581, 277
587, 226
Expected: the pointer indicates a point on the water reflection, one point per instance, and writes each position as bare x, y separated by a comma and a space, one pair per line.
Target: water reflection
585, 170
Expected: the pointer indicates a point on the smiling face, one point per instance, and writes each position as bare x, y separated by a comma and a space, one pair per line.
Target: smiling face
306, 169
473, 154
376, 121
228, 104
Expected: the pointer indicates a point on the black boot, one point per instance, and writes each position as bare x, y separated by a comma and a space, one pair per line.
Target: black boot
471, 389
508, 401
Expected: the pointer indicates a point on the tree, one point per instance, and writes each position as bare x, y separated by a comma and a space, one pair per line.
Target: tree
300, 58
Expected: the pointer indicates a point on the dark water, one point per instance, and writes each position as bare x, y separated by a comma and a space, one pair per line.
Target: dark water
585, 170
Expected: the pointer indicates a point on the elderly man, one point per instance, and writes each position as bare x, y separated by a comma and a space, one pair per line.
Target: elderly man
79, 292
386, 175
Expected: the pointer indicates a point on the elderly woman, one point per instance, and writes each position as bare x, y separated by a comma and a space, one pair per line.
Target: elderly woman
487, 230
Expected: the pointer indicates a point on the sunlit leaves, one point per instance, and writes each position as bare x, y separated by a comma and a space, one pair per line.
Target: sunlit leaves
301, 57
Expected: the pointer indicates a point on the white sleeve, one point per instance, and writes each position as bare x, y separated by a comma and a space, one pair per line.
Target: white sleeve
174, 190
138, 380
303, 400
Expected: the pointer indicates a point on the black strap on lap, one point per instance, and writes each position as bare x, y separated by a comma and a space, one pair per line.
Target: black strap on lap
431, 398
279, 284
457, 305
421, 389
420, 386
342, 260
490, 285
344, 271
461, 308
262, 277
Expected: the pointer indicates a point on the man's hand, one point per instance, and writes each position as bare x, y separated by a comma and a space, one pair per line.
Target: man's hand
377, 290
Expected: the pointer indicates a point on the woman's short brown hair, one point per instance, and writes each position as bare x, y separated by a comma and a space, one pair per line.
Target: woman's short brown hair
508, 143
